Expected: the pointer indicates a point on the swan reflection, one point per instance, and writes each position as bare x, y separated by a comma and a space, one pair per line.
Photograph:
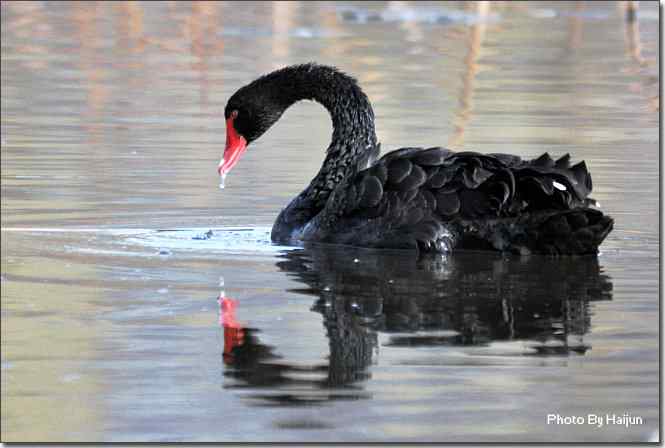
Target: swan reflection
465, 300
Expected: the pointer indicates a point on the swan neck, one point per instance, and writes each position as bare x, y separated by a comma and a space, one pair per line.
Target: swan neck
349, 108
353, 146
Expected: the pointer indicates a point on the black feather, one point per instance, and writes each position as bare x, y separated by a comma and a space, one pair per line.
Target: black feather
407, 196
581, 174
474, 203
398, 170
440, 178
480, 175
544, 161
447, 203
413, 216
506, 159
415, 179
563, 162
430, 199
451, 187
380, 171
427, 231
431, 156
372, 193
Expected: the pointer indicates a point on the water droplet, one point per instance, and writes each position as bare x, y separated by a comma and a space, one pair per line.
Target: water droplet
391, 281
327, 288
163, 290
355, 260
222, 179
221, 282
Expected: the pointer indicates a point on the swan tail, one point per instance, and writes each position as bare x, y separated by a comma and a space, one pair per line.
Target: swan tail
578, 231
571, 232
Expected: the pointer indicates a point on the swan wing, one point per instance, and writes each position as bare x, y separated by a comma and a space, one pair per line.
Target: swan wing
418, 197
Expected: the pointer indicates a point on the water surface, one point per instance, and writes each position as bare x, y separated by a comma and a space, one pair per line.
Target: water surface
125, 319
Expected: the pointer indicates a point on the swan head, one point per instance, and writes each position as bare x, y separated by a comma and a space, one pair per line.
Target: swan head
254, 108
249, 113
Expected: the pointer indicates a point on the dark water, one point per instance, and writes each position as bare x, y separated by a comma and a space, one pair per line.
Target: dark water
115, 331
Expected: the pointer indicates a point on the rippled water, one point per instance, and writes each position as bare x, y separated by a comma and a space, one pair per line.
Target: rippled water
141, 303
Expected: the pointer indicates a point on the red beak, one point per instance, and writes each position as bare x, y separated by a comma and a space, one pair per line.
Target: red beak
235, 146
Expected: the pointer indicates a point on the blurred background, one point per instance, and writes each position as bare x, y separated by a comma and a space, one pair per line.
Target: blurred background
112, 118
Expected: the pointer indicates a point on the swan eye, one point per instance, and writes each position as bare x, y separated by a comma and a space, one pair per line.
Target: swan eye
234, 114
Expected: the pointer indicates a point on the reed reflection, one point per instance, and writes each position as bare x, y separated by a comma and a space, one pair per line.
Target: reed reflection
463, 300
647, 79
476, 38
576, 26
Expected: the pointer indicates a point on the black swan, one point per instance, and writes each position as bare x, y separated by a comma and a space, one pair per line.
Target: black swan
427, 199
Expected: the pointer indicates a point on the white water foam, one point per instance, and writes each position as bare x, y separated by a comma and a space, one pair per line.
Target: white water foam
233, 239
166, 242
